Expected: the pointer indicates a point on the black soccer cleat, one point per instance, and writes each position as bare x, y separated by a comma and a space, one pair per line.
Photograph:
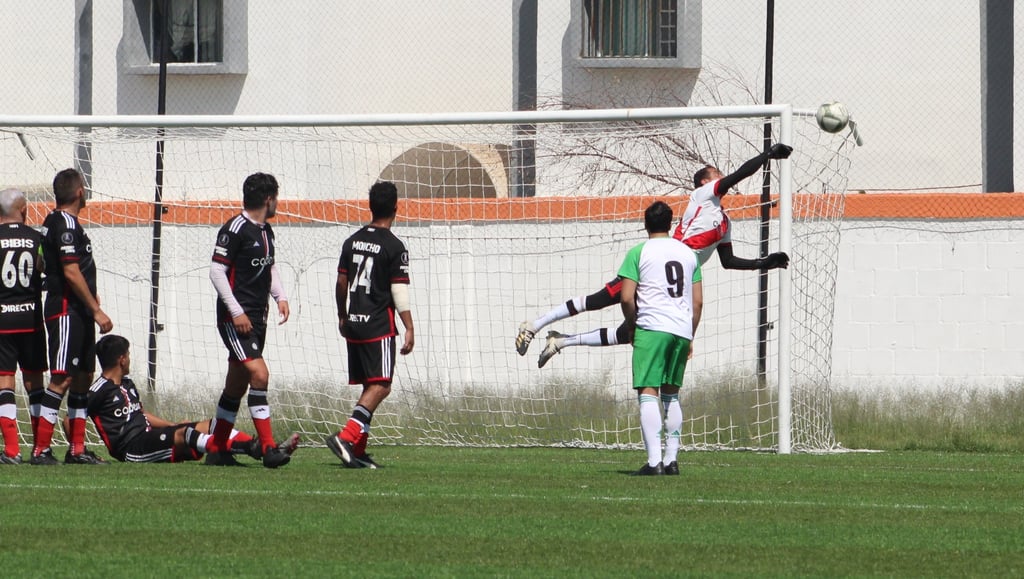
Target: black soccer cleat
87, 457
4, 459
648, 470
252, 448
672, 468
343, 450
44, 458
366, 462
221, 459
274, 457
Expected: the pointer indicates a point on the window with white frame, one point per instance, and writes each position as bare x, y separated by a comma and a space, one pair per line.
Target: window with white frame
637, 33
193, 28
630, 28
203, 36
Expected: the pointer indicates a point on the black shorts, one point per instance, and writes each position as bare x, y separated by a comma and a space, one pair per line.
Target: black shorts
72, 339
371, 362
157, 445
243, 348
26, 350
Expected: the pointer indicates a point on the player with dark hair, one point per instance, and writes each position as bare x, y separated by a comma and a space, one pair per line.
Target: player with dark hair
133, 435
245, 276
372, 284
662, 299
71, 308
704, 227
22, 337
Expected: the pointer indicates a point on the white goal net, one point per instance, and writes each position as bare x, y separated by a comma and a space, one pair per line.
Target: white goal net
504, 216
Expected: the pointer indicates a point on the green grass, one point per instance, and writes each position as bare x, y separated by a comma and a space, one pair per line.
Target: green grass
952, 418
522, 512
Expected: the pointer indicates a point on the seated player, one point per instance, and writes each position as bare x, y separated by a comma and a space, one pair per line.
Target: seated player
704, 227
133, 435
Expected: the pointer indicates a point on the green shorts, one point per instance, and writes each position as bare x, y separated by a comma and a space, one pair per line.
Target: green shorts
659, 359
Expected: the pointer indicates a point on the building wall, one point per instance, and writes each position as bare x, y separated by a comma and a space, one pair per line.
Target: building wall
930, 304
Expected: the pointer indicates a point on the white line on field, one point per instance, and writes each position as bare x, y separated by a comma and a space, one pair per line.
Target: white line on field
672, 499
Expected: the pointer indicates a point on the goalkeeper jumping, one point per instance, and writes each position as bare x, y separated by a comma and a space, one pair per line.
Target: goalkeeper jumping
704, 227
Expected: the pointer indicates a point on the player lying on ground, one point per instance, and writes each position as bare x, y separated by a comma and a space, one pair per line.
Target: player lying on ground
704, 227
133, 435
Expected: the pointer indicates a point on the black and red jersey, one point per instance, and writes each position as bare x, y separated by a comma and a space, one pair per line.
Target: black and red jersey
64, 242
247, 248
373, 258
116, 410
21, 286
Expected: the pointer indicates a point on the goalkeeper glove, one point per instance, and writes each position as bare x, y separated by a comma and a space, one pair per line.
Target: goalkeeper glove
776, 260
779, 151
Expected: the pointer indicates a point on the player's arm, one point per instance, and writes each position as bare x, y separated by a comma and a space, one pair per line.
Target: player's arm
76, 281
627, 300
156, 421
777, 151
219, 278
731, 261
277, 292
341, 300
400, 295
697, 295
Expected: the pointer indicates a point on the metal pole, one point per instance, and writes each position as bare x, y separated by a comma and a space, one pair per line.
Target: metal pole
83, 85
785, 290
160, 47
524, 154
766, 208
997, 96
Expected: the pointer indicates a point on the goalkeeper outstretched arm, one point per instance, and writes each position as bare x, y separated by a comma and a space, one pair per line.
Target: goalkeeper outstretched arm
731, 261
777, 151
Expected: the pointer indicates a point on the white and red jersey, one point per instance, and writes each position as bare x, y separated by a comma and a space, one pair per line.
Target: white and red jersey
704, 225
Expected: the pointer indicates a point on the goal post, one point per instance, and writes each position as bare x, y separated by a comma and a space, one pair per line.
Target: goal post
483, 260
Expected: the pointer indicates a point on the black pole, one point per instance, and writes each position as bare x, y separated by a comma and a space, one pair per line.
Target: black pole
524, 154
997, 96
766, 207
160, 42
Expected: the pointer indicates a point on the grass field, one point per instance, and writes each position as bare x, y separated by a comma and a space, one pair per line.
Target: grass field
522, 512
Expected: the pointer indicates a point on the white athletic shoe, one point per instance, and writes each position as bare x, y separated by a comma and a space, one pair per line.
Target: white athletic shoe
523, 338
553, 346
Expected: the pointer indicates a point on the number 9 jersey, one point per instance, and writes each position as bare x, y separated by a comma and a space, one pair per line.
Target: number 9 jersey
372, 259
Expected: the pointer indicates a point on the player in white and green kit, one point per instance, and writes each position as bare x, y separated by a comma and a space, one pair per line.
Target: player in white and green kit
662, 299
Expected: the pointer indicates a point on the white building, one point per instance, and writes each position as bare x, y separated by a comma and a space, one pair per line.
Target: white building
909, 72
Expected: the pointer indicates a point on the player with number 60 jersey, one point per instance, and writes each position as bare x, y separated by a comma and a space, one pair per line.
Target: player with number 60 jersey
22, 338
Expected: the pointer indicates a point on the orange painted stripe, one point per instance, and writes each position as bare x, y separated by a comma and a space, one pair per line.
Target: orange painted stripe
547, 209
935, 206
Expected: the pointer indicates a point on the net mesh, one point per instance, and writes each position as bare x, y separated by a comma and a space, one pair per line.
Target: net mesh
483, 259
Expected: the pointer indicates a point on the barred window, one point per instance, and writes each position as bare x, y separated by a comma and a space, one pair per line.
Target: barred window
630, 28
195, 29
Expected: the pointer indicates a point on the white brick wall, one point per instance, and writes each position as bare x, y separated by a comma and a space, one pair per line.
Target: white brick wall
930, 304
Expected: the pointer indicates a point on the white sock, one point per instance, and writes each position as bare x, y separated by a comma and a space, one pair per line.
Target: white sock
673, 426
559, 312
650, 426
602, 337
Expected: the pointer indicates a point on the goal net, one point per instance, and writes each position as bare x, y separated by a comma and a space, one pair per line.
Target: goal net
505, 216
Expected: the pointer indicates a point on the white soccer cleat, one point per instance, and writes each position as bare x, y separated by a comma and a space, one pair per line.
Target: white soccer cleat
553, 346
523, 338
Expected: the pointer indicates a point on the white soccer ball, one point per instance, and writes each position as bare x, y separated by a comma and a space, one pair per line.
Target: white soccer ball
832, 117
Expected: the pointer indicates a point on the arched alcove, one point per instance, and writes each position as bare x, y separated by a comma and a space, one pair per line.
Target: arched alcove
444, 170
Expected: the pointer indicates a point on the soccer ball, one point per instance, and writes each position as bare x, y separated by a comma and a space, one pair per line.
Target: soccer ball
832, 117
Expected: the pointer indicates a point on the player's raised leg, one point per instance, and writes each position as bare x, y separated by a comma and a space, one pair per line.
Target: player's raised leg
606, 296
557, 342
